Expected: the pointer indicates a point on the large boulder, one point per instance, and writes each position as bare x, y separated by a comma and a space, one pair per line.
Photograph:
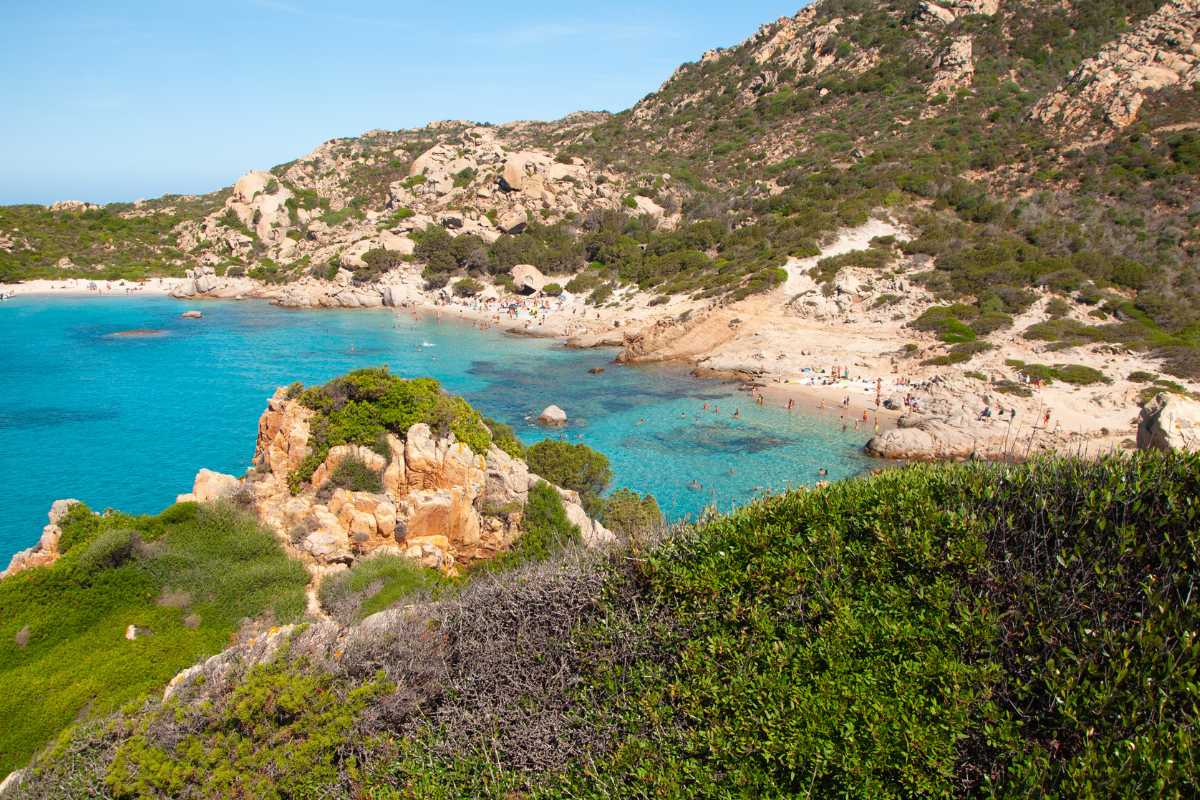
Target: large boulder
552, 415
210, 486
528, 278
1169, 422
923, 439
507, 480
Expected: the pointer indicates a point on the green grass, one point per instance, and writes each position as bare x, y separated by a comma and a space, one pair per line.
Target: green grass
196, 574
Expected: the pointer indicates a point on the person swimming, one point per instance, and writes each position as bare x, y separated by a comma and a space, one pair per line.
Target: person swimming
695, 485
737, 413
822, 473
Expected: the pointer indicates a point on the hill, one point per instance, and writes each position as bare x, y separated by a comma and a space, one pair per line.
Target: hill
979, 192
933, 631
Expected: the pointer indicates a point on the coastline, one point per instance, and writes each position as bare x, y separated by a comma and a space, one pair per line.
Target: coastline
767, 344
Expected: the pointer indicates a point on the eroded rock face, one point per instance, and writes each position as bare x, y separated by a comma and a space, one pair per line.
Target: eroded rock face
1169, 422
1161, 51
955, 67
441, 503
46, 550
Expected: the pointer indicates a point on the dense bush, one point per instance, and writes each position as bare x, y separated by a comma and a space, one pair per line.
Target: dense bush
627, 514
354, 475
571, 466
936, 631
363, 406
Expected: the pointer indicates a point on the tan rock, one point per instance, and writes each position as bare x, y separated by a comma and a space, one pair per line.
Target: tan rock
46, 551
552, 415
442, 512
1169, 422
923, 439
529, 278
211, 486
507, 480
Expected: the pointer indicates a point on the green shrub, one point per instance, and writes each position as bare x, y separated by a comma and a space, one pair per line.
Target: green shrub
282, 733
627, 514
109, 549
374, 584
467, 287
948, 323
363, 406
375, 263
1079, 375
547, 531
552, 290
354, 475
571, 466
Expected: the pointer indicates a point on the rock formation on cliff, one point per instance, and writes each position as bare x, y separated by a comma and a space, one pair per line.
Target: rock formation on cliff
437, 501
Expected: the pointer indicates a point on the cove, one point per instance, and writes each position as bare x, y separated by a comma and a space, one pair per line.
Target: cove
125, 421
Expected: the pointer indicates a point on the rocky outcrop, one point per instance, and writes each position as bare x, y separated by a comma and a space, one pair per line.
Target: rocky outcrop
46, 550
1160, 52
954, 68
440, 503
924, 439
552, 415
1169, 422
528, 278
73, 205
947, 11
211, 486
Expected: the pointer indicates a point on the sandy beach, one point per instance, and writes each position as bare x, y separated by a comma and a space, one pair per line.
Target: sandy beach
786, 344
97, 288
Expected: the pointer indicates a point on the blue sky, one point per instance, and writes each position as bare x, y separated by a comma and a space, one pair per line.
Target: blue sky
117, 100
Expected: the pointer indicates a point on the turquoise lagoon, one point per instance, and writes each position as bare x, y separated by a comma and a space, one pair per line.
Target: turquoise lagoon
125, 422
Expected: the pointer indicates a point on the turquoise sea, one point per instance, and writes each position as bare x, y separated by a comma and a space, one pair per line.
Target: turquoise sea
125, 422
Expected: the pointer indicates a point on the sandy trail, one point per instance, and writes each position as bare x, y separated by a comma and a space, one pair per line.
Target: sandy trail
847, 242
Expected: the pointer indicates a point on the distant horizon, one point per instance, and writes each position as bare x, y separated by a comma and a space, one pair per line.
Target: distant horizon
139, 101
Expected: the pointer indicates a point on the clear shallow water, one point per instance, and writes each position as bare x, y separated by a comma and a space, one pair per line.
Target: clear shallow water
125, 422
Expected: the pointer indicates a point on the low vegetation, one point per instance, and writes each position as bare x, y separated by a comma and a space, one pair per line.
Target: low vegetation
187, 580
364, 406
936, 631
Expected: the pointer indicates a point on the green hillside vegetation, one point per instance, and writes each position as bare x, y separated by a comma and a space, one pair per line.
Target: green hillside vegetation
190, 577
363, 406
936, 631
763, 169
105, 243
